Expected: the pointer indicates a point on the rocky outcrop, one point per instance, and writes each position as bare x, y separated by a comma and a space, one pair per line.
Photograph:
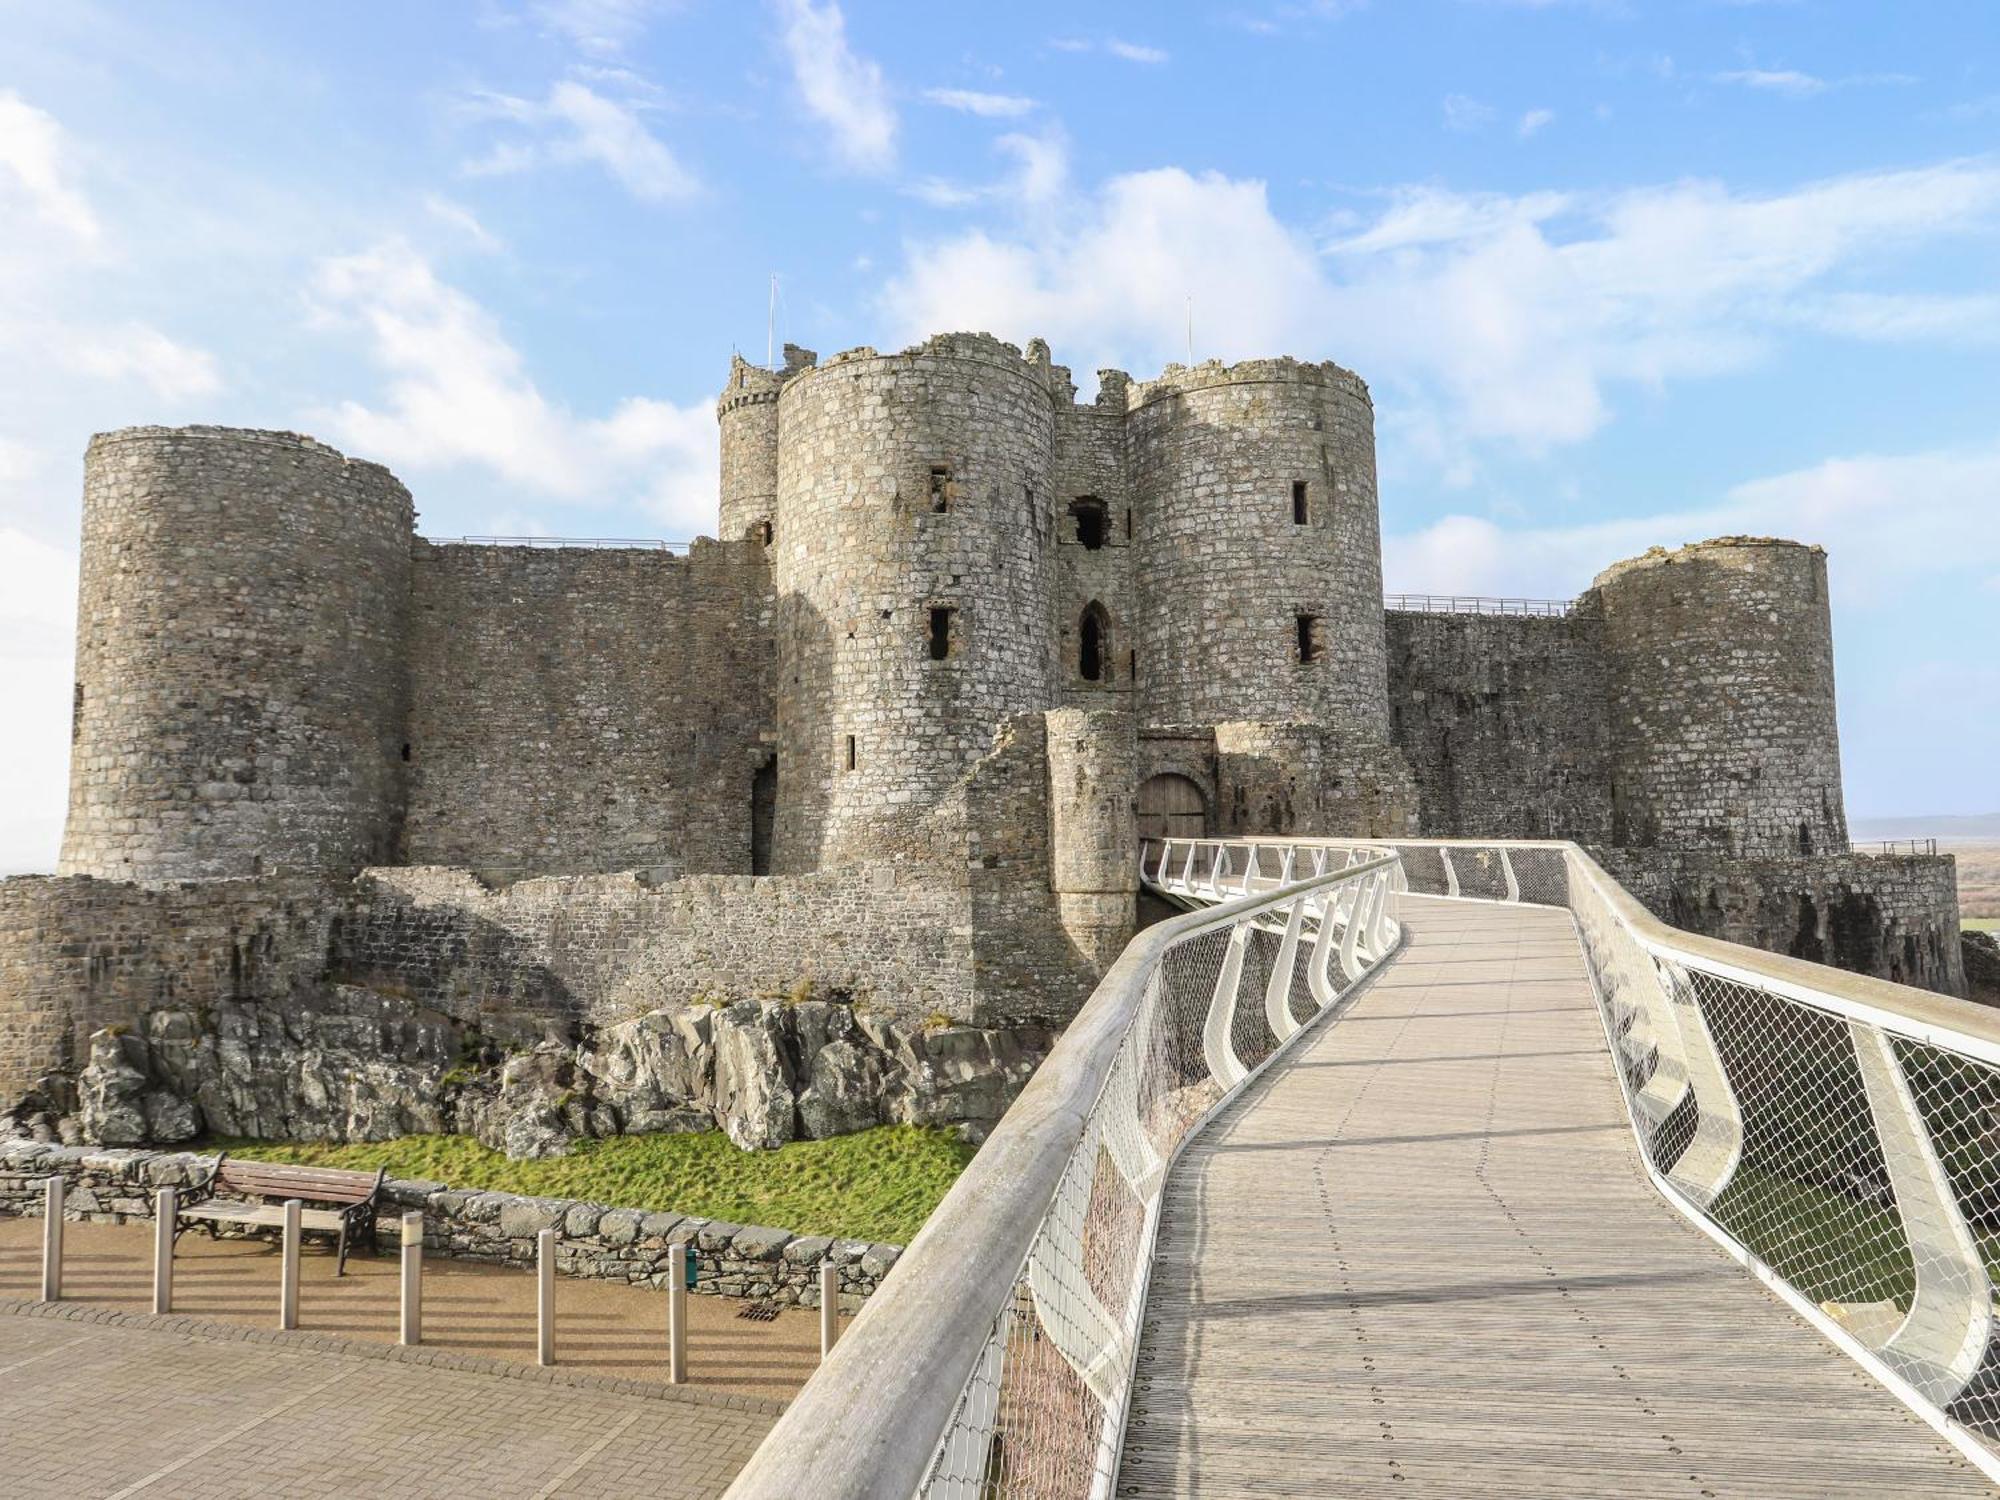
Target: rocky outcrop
357, 1064
1982, 965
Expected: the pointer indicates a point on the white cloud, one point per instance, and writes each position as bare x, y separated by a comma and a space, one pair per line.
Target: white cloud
1462, 112
1533, 122
1786, 81
457, 216
34, 176
1488, 317
840, 88
577, 124
132, 351
973, 102
1893, 525
1134, 52
1039, 176
1905, 317
37, 647
459, 395
603, 28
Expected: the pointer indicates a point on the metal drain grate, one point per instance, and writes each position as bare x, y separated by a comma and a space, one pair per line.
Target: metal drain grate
759, 1312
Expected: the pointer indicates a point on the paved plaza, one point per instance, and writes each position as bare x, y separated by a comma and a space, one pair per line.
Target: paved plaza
99, 1398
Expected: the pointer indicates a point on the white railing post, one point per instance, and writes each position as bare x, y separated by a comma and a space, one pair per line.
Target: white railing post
1350, 930
1278, 991
545, 1297
288, 1268
411, 1331
1218, 1042
829, 1307
1326, 942
165, 1209
1450, 873
53, 1193
1507, 870
677, 1266
1941, 1342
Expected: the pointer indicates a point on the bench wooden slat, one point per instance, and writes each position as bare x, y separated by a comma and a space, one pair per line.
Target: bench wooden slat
262, 1213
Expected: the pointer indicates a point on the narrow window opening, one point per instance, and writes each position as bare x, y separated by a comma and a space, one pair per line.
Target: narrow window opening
1093, 642
1309, 638
1300, 513
1132, 665
763, 815
1089, 513
765, 532
76, 712
851, 761
940, 488
941, 632
1128, 523
406, 752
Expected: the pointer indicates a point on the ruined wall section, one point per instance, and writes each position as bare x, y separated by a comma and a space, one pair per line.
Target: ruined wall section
747, 413
583, 709
1093, 838
1504, 722
913, 575
1091, 516
78, 954
240, 676
1895, 917
1224, 570
1723, 736
1294, 777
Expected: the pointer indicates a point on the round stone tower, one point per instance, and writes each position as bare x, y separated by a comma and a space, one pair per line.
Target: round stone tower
912, 567
747, 412
1257, 552
1720, 657
241, 684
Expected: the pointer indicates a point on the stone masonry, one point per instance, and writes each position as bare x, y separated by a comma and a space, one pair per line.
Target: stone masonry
831, 821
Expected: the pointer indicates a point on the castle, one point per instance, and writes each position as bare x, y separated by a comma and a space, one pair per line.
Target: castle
885, 749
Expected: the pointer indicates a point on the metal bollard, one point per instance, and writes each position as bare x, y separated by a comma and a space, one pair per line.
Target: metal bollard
413, 1278
165, 1202
545, 1297
54, 1191
829, 1307
288, 1271
677, 1298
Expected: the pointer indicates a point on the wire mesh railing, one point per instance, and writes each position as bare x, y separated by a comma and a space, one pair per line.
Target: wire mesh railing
1839, 1134
999, 1359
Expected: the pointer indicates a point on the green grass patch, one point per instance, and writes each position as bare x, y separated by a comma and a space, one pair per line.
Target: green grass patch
1980, 924
878, 1184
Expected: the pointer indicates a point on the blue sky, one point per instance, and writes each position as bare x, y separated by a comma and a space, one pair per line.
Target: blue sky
1618, 274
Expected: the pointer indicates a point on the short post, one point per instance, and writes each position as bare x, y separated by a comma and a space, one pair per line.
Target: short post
288, 1271
413, 1278
165, 1203
677, 1306
545, 1297
829, 1307
52, 1233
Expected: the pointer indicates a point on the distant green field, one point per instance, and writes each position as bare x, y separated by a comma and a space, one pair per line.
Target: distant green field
877, 1184
1980, 924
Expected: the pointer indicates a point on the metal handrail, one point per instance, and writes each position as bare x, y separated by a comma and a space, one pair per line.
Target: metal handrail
1478, 604
653, 544
897, 1408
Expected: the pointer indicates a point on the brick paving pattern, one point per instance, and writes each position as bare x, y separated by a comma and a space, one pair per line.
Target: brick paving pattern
113, 1409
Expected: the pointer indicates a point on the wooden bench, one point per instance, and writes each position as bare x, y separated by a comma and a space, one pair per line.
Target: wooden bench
336, 1202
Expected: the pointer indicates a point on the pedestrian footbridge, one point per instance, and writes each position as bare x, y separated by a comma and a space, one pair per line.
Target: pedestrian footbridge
1443, 1168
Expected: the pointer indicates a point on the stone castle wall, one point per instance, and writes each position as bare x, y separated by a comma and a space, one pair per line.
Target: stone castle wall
1223, 569
1895, 917
912, 573
1504, 722
578, 709
1723, 736
241, 674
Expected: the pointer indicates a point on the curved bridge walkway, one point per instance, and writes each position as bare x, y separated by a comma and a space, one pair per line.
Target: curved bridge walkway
1421, 1257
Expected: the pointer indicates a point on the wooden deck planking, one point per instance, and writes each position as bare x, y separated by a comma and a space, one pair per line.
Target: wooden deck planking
1420, 1257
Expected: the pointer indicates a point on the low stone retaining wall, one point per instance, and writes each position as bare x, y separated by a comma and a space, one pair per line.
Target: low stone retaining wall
594, 1239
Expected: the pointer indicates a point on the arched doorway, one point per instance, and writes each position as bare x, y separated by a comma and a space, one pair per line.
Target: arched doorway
1093, 635
1171, 807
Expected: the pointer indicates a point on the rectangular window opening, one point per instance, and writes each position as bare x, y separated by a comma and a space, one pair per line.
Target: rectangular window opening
851, 761
1089, 513
940, 488
1300, 512
941, 631
1309, 639
1128, 523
